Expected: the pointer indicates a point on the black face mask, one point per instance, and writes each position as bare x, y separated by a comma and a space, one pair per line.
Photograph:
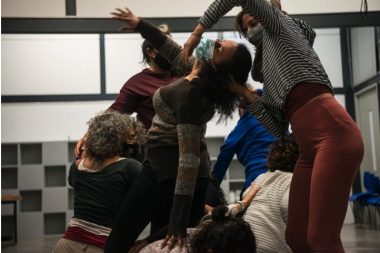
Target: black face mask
161, 62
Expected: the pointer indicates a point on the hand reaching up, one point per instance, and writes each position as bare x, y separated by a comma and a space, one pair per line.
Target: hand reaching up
126, 16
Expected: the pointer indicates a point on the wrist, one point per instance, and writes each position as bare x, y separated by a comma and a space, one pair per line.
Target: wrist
240, 206
196, 34
199, 30
249, 96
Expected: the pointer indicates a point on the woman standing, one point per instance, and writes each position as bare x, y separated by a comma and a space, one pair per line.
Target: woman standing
298, 90
176, 171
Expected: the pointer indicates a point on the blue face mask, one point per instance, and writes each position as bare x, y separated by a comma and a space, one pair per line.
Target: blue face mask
205, 50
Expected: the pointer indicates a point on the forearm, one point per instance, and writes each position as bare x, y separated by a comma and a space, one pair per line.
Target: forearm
179, 216
265, 13
151, 33
215, 11
266, 118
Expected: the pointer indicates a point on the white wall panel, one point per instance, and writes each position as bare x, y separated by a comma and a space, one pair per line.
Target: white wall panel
363, 57
124, 56
50, 64
340, 99
221, 129
33, 8
40, 122
123, 59
327, 46
146, 8
326, 6
165, 8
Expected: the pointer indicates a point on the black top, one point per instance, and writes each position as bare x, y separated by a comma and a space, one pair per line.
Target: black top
98, 195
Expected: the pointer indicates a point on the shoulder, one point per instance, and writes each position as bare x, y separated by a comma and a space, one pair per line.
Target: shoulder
74, 166
143, 74
282, 179
129, 163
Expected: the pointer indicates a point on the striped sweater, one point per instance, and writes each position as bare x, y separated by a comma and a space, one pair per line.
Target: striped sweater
288, 57
268, 212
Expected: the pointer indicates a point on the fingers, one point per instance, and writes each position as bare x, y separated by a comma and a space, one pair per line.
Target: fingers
165, 242
255, 190
128, 11
256, 187
181, 243
122, 13
172, 242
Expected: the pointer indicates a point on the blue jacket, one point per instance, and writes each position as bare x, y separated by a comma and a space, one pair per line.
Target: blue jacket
250, 141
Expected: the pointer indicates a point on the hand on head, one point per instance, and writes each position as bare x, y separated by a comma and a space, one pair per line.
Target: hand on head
242, 90
128, 17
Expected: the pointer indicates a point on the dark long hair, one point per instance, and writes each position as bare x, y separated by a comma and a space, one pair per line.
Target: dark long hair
224, 234
216, 82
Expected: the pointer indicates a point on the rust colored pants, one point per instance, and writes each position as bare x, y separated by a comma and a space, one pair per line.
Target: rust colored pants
331, 151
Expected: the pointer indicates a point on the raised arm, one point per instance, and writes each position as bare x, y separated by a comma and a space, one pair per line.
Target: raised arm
166, 46
265, 13
269, 16
213, 13
258, 109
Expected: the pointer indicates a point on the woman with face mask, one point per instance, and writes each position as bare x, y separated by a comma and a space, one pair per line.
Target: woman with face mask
298, 91
176, 172
136, 94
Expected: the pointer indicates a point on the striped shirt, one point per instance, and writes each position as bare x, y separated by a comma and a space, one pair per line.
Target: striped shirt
268, 212
288, 57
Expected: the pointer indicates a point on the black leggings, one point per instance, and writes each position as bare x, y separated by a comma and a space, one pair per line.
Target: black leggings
331, 150
150, 201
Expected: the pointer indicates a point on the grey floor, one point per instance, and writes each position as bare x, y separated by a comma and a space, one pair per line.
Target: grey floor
356, 239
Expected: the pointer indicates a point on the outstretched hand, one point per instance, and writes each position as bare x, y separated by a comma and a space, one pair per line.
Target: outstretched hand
171, 241
128, 17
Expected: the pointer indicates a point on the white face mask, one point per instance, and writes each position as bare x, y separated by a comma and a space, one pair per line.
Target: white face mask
255, 35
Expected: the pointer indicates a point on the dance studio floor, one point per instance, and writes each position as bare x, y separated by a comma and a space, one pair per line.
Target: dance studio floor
356, 239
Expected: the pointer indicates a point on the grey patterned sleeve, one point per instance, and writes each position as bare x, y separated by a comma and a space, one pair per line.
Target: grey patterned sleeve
173, 53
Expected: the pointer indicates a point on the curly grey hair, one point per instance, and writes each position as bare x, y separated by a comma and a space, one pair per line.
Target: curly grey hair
109, 131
